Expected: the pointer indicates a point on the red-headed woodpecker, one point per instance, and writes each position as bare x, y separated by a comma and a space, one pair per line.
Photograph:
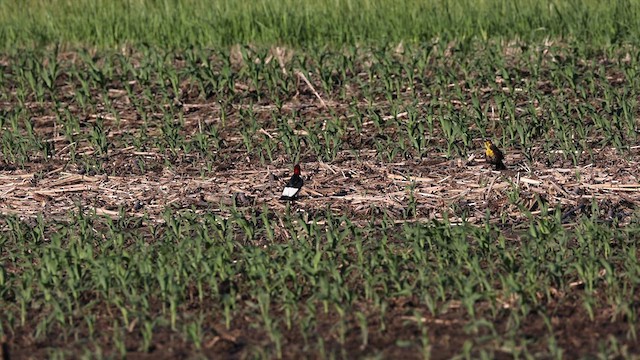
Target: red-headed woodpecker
293, 186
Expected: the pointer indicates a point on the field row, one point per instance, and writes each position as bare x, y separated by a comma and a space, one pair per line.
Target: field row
212, 284
550, 103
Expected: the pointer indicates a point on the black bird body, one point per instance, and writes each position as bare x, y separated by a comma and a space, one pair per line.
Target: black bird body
494, 155
294, 185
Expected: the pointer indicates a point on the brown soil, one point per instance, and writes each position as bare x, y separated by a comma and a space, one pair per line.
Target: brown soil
146, 182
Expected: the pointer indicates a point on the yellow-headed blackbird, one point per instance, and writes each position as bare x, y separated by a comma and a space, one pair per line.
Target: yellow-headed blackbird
494, 155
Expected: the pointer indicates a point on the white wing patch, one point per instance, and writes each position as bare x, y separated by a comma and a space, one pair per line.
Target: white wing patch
290, 191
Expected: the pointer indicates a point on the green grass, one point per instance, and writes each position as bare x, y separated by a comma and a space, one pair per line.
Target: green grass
551, 101
64, 276
185, 23
329, 281
199, 93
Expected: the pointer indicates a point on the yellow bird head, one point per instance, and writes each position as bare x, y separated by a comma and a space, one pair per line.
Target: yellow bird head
487, 145
493, 155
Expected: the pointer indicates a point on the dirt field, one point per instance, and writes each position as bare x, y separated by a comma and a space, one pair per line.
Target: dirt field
132, 165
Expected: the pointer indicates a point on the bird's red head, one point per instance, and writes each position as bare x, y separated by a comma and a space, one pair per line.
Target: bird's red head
296, 170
